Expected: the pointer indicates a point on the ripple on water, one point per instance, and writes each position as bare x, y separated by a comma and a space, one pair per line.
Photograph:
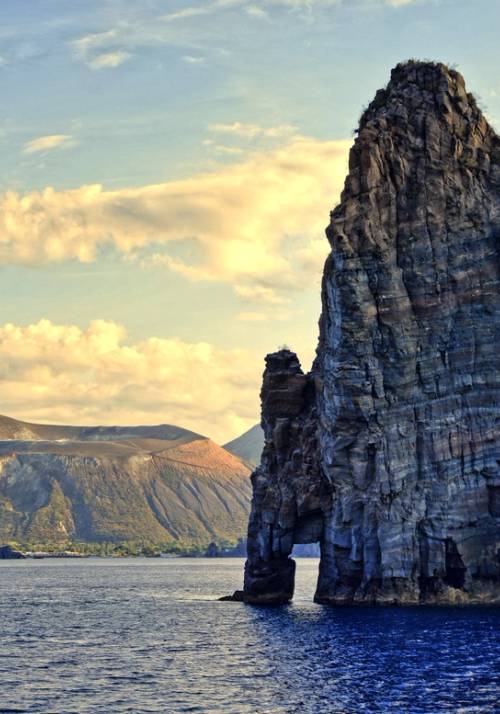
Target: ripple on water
149, 636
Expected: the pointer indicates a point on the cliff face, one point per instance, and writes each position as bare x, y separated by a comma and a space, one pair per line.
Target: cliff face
388, 452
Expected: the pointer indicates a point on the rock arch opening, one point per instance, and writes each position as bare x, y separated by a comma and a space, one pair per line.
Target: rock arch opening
306, 551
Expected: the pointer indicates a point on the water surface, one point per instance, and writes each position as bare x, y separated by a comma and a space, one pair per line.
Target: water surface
147, 635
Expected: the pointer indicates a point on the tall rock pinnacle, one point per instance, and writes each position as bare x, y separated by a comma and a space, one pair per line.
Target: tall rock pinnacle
388, 452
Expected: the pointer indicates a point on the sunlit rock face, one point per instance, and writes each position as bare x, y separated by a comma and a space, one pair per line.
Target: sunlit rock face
388, 452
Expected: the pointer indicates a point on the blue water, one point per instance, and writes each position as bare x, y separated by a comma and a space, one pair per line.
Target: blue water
137, 635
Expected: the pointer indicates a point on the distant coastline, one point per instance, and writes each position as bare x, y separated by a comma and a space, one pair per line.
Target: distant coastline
13, 550
39, 551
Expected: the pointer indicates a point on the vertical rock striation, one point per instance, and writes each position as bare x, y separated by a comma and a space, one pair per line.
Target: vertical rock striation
288, 488
388, 452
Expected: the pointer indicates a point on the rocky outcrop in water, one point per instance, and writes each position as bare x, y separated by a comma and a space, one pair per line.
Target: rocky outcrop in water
388, 452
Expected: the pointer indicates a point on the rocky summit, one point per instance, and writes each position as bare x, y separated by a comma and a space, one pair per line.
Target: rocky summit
388, 452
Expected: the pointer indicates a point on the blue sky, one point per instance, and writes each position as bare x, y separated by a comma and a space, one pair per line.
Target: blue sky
168, 172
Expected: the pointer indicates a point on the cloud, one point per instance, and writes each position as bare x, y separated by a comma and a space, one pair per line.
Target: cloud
48, 143
230, 150
189, 12
257, 224
256, 11
266, 316
207, 8
51, 372
251, 131
189, 26
135, 31
108, 59
95, 41
311, 4
259, 293
223, 148
191, 59
259, 8
101, 50
253, 8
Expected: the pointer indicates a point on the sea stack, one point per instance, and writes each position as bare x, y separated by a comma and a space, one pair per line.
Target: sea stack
388, 452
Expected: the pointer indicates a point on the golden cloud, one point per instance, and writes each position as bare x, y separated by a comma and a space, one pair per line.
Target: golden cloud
258, 224
47, 143
53, 372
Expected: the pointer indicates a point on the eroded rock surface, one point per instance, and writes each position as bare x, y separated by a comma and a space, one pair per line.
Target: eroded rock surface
388, 452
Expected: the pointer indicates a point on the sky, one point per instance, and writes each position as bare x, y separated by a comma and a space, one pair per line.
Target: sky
168, 172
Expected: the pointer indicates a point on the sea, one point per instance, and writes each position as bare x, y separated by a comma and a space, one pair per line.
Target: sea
149, 635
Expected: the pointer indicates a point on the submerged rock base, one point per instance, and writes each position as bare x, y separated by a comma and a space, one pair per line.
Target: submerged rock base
388, 452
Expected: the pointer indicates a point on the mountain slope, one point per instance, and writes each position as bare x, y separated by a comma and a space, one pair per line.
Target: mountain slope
248, 447
155, 483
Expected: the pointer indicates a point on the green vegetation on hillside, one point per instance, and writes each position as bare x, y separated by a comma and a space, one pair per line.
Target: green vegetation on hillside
125, 548
107, 489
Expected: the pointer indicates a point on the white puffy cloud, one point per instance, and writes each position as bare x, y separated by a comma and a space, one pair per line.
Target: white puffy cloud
257, 224
63, 374
48, 143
